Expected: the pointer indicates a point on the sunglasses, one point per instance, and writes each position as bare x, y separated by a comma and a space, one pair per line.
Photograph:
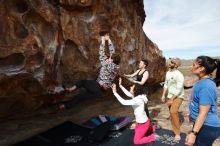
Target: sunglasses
172, 62
196, 65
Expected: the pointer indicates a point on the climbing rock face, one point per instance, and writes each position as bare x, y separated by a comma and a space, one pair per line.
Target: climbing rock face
44, 43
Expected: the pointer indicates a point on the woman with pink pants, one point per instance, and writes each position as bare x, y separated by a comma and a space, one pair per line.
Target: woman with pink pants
142, 121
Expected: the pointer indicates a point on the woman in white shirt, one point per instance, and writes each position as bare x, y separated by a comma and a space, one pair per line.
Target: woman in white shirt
142, 121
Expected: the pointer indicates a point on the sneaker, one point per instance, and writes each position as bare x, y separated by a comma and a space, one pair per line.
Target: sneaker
158, 138
59, 89
157, 127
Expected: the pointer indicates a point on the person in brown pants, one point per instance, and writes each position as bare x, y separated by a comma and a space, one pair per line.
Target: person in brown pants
174, 91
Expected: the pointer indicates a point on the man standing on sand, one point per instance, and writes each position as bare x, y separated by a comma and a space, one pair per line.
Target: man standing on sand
174, 91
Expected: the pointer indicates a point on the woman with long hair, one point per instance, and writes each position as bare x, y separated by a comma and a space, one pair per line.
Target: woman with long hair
141, 76
137, 101
203, 105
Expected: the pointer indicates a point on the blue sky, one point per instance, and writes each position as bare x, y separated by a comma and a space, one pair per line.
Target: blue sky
184, 28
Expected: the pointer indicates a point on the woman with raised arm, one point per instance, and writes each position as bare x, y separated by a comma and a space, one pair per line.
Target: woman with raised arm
142, 121
141, 76
108, 71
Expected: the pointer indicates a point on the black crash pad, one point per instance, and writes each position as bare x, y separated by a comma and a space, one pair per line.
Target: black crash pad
70, 134
67, 134
125, 138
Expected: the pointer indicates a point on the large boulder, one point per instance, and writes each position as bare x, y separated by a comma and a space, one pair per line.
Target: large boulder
44, 43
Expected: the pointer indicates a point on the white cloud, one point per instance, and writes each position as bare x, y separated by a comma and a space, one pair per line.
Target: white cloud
183, 24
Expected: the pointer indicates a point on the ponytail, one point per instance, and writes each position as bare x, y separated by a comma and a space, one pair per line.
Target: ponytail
217, 77
210, 65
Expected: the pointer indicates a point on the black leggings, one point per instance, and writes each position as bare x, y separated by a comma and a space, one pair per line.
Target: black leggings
207, 135
92, 90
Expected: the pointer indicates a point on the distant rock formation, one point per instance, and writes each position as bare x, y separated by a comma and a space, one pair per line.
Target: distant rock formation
48, 42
